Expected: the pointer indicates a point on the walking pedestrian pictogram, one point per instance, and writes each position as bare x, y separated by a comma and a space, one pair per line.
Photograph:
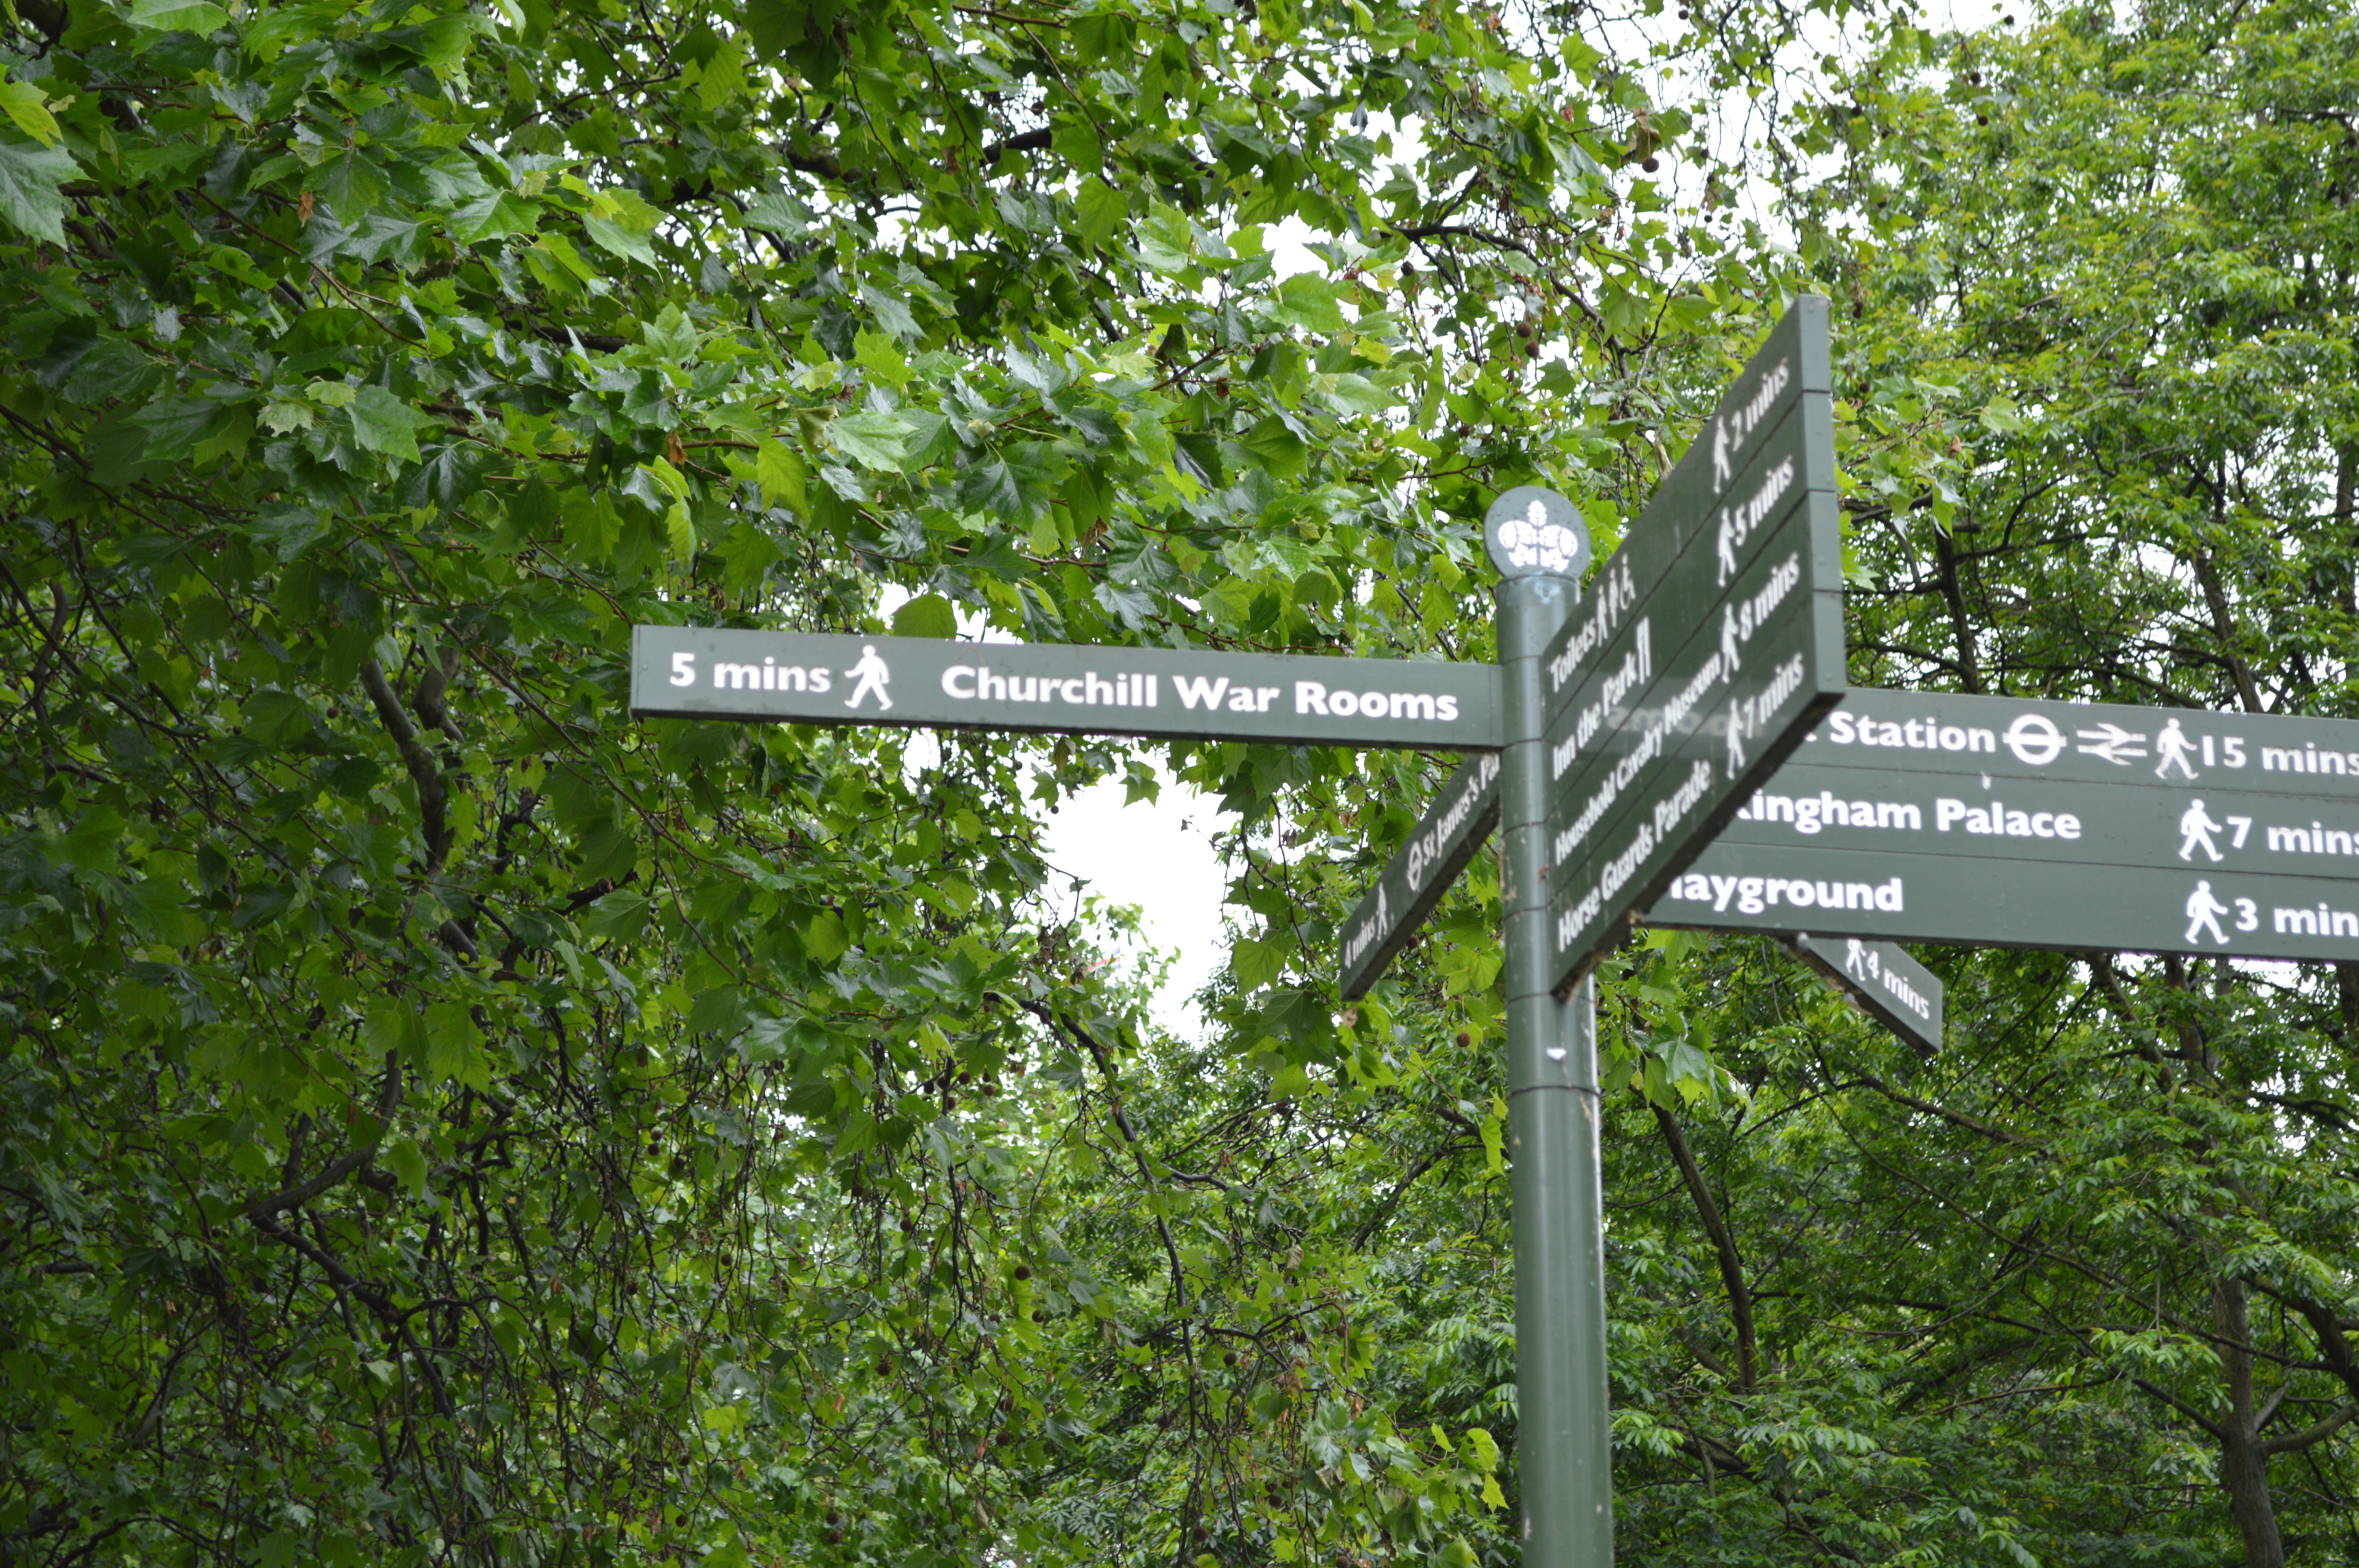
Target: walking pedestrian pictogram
2203, 912
874, 676
2174, 748
2195, 831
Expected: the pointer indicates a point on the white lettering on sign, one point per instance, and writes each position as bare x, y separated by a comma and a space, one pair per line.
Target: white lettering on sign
1677, 716
1737, 523
1747, 716
1753, 895
768, 676
1616, 594
1682, 800
1744, 618
1808, 813
1672, 716
1637, 669
1573, 920
1999, 820
1370, 930
1917, 734
1313, 697
2309, 759
1739, 622
1732, 430
1865, 965
1427, 849
980, 683
2315, 839
1620, 870
2319, 922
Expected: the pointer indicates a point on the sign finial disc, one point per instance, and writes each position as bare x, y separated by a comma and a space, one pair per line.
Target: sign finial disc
1530, 530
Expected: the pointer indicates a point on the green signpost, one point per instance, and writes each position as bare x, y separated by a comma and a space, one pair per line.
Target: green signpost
1606, 746
1387, 918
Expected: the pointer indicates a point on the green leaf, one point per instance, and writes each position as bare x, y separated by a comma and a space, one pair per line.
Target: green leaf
24, 104
495, 216
776, 26
454, 1046
671, 334
1165, 241
175, 16
351, 185
1355, 394
1307, 301
891, 312
174, 425
824, 937
859, 1132
874, 441
1279, 450
1257, 961
882, 358
616, 239
927, 615
1104, 210
620, 917
720, 1011
384, 423
92, 845
29, 196
781, 473
403, 1159
2001, 415
394, 1028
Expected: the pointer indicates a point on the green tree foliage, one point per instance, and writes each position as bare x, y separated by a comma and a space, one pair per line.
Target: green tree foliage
2083, 1287
448, 1121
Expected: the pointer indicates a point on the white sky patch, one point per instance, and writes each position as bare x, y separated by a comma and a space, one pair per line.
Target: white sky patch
1155, 855
1158, 857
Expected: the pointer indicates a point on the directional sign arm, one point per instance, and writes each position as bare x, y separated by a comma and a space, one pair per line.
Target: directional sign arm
1885, 981
1387, 917
2008, 823
690, 672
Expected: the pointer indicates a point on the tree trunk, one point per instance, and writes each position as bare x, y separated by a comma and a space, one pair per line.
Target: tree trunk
2346, 492
2243, 1467
1954, 594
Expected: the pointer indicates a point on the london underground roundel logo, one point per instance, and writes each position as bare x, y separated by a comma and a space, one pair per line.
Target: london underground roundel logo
2033, 741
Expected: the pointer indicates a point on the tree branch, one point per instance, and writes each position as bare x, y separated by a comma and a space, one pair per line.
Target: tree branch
1969, 1122
433, 795
2309, 1436
2219, 1434
262, 1209
1732, 1268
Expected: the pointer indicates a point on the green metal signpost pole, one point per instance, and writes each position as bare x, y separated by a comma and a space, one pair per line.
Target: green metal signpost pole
1563, 1455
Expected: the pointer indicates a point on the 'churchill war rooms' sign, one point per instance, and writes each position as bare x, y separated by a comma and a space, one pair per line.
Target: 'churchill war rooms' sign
1708, 644
2002, 823
697, 672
